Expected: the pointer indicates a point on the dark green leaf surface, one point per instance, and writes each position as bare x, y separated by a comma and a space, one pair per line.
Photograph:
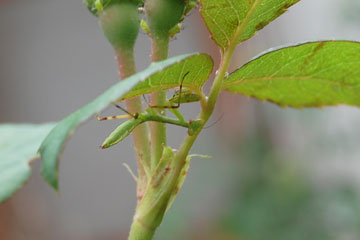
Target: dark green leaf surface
307, 75
240, 19
199, 67
53, 145
18, 146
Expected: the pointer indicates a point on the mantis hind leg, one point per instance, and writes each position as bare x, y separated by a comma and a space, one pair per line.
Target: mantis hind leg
128, 115
113, 117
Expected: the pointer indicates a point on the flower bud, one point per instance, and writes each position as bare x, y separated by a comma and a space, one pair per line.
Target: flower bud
163, 15
120, 23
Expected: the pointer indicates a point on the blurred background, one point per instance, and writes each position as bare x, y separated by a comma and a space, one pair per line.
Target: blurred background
275, 173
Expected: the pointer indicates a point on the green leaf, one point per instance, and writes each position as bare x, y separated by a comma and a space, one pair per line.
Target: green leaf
239, 20
199, 67
312, 74
18, 146
53, 145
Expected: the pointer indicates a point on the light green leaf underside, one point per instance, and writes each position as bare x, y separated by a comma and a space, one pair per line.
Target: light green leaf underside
240, 19
18, 146
307, 75
199, 67
53, 145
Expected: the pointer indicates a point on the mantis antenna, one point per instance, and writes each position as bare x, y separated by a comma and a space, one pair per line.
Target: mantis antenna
179, 98
128, 115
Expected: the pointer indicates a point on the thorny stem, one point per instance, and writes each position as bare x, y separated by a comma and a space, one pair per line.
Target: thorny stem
143, 228
126, 64
159, 51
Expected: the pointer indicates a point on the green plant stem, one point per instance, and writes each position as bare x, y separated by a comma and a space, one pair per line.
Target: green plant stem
147, 225
140, 232
126, 64
180, 157
208, 108
159, 51
151, 209
142, 221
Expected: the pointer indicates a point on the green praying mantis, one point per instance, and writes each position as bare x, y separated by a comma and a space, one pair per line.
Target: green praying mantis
182, 95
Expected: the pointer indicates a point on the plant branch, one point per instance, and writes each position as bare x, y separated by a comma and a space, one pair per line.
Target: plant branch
180, 157
140, 230
151, 210
159, 51
146, 224
126, 64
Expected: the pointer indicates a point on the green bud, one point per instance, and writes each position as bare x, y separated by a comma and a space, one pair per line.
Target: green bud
189, 6
163, 15
175, 30
90, 4
120, 23
97, 6
145, 27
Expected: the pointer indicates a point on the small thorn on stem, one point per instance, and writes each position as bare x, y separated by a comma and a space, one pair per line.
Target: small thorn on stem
131, 172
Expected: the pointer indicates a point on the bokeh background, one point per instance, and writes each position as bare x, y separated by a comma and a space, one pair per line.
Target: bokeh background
275, 173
